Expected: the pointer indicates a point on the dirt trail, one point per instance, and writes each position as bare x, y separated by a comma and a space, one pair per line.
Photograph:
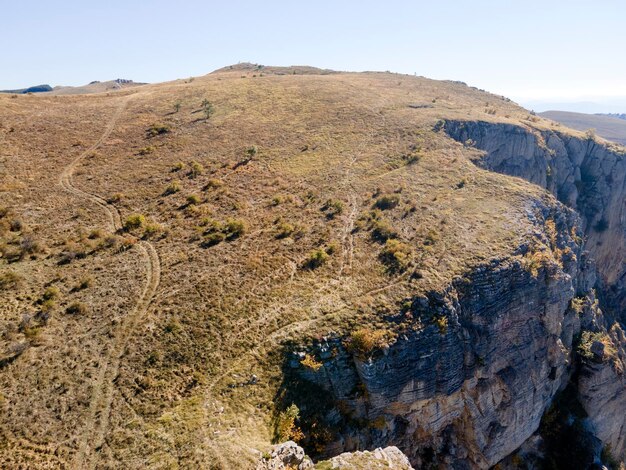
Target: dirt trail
91, 436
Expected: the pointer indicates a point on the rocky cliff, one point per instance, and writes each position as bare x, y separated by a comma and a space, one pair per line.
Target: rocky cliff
582, 173
469, 380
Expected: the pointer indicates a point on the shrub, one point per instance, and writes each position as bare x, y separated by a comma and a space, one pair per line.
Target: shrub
387, 202
10, 280
95, 233
213, 238
311, 363
396, 254
195, 170
152, 230
365, 340
177, 105
234, 228
134, 222
382, 230
193, 199
207, 109
442, 323
284, 230
213, 183
332, 208
47, 305
115, 198
84, 283
178, 166
77, 308
601, 226
157, 129
316, 259
51, 293
146, 150
173, 188
286, 428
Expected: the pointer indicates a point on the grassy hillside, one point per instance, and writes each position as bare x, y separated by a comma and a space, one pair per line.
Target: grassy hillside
608, 127
160, 244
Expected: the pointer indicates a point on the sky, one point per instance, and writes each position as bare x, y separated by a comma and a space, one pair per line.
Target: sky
532, 51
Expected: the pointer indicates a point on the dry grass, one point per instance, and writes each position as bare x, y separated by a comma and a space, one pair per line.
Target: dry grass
328, 148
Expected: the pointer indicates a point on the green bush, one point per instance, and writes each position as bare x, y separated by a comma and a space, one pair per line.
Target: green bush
396, 254
133, 222
387, 202
316, 259
234, 228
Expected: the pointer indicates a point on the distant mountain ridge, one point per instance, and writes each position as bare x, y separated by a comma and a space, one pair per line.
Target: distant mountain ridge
32, 89
613, 115
95, 86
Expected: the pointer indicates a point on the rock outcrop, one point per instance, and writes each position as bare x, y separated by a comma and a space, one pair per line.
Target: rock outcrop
289, 455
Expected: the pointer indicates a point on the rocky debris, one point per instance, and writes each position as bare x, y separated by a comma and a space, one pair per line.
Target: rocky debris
387, 458
287, 455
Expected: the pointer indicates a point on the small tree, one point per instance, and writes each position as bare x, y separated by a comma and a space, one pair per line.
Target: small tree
177, 106
207, 108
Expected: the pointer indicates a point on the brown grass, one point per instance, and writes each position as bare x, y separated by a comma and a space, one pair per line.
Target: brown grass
328, 146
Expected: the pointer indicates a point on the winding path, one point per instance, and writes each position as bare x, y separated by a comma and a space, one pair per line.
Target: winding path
91, 437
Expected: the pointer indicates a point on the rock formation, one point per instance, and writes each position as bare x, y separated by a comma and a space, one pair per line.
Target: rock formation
469, 382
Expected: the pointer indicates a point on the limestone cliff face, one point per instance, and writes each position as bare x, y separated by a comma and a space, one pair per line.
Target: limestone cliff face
590, 178
583, 174
471, 390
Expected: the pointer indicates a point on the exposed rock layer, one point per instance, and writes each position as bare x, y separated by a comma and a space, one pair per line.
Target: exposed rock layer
471, 393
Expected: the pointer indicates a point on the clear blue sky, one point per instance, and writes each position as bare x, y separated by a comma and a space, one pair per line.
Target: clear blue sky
524, 49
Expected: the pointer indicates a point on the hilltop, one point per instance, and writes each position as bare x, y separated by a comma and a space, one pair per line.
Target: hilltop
172, 253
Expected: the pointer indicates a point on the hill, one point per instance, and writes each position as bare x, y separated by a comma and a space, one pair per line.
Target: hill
32, 89
193, 270
607, 126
